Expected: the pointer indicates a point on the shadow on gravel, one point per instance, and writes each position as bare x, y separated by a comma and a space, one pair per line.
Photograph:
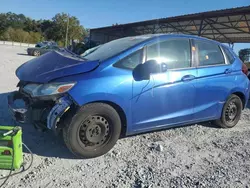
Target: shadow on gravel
248, 104
205, 124
23, 54
41, 143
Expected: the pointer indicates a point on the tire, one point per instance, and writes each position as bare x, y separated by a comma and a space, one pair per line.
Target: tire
228, 118
87, 136
36, 53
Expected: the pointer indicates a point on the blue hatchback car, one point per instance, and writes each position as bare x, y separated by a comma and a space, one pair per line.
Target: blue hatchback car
128, 86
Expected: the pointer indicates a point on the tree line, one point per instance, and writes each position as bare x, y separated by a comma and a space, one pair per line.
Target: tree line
19, 28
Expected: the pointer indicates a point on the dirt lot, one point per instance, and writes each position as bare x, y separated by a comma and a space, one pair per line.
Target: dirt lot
192, 156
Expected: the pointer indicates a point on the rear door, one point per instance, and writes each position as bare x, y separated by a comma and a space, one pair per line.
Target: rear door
214, 79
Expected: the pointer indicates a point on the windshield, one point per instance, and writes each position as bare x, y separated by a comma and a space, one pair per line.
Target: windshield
87, 52
114, 47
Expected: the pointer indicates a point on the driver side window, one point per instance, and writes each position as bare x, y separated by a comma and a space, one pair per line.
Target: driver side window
131, 61
175, 53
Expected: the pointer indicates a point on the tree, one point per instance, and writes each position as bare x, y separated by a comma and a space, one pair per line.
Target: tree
18, 35
19, 28
34, 37
31, 25
3, 23
75, 30
15, 20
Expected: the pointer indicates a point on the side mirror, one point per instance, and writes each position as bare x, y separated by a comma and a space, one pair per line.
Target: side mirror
143, 71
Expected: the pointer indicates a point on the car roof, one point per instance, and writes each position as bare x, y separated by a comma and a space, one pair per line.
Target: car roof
153, 36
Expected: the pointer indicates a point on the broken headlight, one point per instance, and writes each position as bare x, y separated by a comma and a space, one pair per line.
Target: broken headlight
47, 89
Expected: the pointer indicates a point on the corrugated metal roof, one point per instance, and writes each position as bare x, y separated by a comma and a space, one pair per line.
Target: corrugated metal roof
227, 25
215, 13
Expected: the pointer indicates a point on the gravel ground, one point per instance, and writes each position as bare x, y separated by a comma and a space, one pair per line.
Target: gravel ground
191, 156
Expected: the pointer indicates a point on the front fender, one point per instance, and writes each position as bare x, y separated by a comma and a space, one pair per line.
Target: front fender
104, 97
101, 97
110, 85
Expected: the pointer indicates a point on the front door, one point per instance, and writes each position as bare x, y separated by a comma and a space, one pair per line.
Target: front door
167, 98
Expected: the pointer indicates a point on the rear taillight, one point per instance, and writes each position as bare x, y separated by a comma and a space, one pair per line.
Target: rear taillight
244, 69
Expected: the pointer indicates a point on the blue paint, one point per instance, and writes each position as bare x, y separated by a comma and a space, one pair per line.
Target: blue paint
57, 111
53, 65
166, 100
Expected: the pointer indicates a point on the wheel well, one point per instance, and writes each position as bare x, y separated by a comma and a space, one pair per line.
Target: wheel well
121, 114
242, 97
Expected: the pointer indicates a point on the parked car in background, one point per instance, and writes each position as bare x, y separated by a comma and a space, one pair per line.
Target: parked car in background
45, 43
41, 50
129, 86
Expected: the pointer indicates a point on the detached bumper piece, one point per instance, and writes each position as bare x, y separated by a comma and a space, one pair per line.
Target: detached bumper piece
57, 111
19, 114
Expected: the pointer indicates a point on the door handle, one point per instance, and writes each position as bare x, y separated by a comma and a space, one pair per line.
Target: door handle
228, 71
188, 78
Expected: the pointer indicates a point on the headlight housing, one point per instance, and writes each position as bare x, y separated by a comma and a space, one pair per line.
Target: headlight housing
48, 89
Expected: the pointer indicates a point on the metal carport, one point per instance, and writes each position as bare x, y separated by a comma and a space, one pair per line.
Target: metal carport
227, 26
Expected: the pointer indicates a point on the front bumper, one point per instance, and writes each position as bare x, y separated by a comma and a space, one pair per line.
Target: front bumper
41, 113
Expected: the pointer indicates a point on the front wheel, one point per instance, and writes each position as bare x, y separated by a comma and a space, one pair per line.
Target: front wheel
231, 112
93, 131
36, 53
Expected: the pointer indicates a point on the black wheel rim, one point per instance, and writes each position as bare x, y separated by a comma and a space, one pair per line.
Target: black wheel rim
94, 132
231, 111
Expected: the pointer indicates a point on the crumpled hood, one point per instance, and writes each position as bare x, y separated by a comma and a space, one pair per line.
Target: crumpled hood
53, 65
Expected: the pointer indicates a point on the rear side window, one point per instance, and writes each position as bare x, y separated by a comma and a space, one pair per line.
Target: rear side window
131, 61
228, 54
209, 53
174, 52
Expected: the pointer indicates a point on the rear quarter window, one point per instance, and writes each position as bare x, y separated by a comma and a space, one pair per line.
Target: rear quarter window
228, 54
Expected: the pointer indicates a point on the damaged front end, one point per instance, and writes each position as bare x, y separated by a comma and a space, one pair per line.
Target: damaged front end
43, 112
46, 99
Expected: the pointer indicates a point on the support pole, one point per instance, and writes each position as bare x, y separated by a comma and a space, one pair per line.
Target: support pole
199, 33
67, 30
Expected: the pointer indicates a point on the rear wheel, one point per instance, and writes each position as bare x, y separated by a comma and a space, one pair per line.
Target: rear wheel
36, 53
93, 131
231, 112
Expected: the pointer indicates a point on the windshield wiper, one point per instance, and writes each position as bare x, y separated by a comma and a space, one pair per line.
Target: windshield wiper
76, 55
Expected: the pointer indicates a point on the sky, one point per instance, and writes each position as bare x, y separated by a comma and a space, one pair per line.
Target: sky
100, 13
